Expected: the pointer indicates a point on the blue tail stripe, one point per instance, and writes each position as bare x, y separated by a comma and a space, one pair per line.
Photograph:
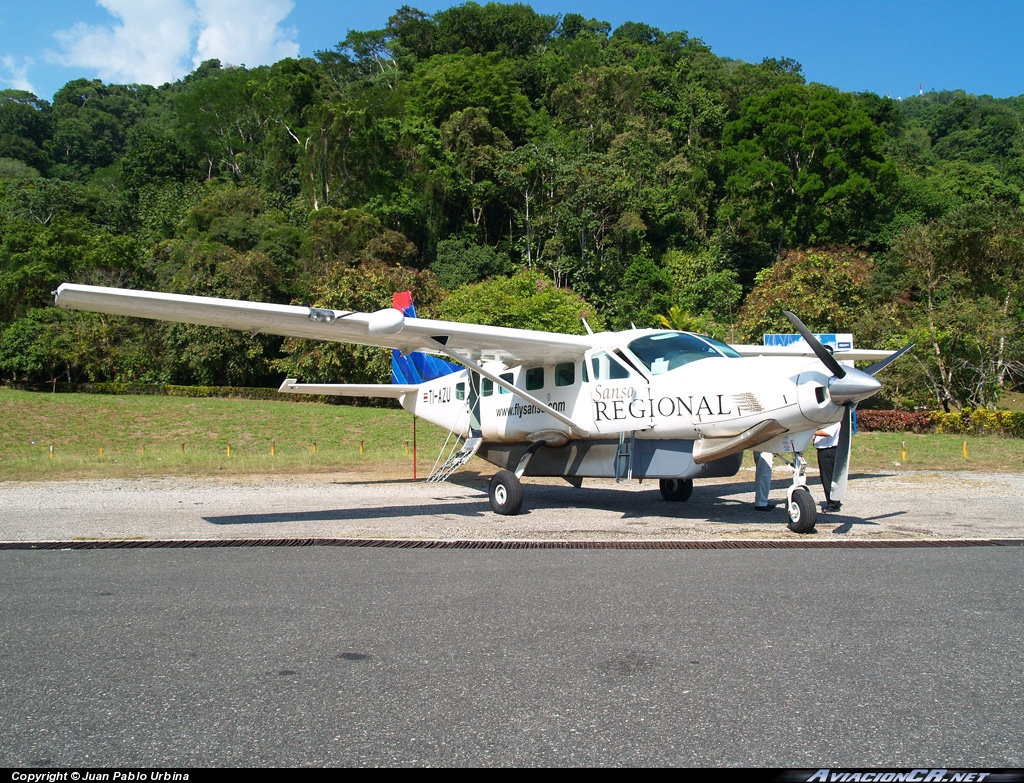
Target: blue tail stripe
418, 367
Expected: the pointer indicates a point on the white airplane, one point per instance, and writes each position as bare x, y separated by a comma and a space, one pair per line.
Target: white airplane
642, 403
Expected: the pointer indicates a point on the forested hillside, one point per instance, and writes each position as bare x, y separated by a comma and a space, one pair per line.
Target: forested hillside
515, 168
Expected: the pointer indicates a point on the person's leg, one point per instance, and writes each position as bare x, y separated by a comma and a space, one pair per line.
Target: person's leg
762, 477
826, 468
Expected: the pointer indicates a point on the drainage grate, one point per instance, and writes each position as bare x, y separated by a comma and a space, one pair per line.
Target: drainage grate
801, 543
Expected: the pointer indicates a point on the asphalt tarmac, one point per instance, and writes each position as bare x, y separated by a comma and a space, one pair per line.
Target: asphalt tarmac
349, 656
285, 656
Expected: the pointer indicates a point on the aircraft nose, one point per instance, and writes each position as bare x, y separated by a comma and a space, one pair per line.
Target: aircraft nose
855, 386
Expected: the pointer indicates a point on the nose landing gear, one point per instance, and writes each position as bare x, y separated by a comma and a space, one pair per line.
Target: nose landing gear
799, 503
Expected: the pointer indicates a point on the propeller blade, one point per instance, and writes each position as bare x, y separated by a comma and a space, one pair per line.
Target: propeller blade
820, 350
842, 469
874, 368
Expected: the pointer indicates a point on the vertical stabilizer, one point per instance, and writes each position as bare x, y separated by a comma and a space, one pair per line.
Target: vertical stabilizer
416, 367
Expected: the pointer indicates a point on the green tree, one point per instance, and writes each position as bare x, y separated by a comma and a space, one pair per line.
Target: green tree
91, 121
804, 165
455, 82
35, 346
472, 151
347, 238
25, 128
208, 355
460, 262
645, 292
526, 301
825, 287
512, 30
221, 125
704, 285
959, 282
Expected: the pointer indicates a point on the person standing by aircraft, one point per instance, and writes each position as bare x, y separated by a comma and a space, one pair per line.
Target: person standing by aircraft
826, 441
762, 480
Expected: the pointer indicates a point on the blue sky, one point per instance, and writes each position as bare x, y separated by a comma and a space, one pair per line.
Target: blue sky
885, 47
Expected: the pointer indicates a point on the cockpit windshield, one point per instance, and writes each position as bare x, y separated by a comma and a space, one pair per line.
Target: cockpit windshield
668, 350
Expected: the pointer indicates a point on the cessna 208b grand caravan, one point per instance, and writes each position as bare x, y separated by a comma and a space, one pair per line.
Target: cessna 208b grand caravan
642, 403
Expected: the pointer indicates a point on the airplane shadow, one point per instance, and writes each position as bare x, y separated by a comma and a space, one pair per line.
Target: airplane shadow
710, 502
847, 522
462, 509
462, 479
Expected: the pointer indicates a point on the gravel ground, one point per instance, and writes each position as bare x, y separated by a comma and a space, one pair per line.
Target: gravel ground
907, 505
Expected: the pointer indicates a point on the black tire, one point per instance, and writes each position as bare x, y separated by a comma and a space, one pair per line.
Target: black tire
505, 493
676, 489
802, 513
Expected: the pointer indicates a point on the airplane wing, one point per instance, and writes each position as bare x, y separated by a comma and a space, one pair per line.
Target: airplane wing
855, 354
385, 328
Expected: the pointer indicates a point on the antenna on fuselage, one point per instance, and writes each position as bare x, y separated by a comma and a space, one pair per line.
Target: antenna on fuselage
589, 330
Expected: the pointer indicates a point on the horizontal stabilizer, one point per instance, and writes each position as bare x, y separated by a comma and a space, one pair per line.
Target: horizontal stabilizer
390, 390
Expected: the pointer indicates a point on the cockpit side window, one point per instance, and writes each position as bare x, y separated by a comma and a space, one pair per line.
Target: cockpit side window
606, 368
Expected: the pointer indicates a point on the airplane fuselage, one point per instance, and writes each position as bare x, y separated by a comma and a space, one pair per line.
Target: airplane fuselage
662, 410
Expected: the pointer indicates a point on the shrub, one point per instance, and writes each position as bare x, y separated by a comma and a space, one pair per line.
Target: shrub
895, 421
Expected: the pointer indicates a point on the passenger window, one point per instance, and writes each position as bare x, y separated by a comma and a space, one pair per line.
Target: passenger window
505, 376
487, 387
460, 391
565, 374
535, 378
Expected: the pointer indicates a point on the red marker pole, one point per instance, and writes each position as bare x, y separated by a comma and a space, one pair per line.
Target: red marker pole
413, 448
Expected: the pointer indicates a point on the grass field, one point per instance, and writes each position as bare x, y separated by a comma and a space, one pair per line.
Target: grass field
95, 435
150, 435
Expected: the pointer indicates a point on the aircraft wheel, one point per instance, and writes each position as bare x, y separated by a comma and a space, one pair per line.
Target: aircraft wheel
676, 489
802, 513
505, 493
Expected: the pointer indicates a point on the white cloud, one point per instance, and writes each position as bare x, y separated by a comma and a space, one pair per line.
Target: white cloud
245, 32
17, 73
156, 41
150, 44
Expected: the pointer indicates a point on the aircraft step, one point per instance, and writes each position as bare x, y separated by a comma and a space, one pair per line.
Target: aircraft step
470, 447
624, 457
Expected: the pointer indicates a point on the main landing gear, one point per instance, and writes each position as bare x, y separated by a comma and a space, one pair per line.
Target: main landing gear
505, 493
799, 503
676, 489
